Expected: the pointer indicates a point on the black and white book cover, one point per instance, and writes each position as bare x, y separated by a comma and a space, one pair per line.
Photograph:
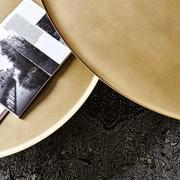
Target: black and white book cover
31, 51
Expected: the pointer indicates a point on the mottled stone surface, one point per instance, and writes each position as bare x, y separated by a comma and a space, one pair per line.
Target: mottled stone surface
110, 138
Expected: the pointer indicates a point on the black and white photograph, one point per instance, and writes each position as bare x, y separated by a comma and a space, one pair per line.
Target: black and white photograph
46, 24
43, 42
31, 22
20, 79
32, 53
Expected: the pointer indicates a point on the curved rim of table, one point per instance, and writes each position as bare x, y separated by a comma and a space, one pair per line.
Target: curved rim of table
149, 105
55, 127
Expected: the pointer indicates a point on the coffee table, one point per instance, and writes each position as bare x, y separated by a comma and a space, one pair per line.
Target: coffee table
133, 46
54, 106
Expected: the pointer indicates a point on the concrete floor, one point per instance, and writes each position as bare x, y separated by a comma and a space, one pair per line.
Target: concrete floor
110, 138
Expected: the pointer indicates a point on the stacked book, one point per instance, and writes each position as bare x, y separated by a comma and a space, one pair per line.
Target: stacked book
31, 51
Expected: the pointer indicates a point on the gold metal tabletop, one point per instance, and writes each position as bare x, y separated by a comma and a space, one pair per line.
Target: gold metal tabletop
132, 45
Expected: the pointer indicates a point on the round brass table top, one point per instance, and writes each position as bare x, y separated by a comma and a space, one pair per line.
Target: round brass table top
131, 45
58, 102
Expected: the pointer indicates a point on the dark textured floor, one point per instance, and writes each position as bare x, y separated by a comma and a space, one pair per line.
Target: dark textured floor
110, 138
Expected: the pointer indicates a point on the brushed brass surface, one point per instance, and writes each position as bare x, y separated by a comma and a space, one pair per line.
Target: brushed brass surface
53, 107
132, 45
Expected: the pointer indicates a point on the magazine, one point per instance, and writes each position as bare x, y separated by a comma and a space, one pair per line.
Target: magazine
31, 51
